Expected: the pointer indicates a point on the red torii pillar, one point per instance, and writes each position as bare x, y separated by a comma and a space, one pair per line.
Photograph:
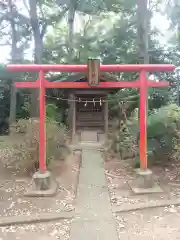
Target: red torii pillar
143, 83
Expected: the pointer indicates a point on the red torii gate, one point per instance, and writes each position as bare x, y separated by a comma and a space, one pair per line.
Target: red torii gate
142, 82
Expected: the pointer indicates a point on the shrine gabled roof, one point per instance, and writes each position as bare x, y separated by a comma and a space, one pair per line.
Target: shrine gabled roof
81, 77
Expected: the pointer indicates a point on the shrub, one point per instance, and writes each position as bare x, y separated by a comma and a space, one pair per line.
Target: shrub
54, 113
25, 153
124, 141
56, 141
21, 126
163, 135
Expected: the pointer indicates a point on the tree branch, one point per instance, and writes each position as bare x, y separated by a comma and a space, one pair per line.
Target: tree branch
44, 23
63, 2
26, 5
4, 17
4, 27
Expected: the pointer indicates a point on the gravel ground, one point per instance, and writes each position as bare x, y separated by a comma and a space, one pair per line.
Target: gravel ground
59, 230
13, 202
150, 224
120, 174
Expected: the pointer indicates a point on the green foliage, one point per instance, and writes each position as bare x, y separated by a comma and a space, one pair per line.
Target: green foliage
52, 112
163, 136
23, 105
24, 153
56, 141
163, 132
123, 100
123, 142
56, 112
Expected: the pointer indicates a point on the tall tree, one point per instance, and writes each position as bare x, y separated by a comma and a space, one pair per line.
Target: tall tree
14, 59
10, 23
142, 30
177, 7
39, 21
38, 50
71, 16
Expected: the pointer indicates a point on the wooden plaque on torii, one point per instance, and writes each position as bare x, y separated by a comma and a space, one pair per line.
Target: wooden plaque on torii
93, 74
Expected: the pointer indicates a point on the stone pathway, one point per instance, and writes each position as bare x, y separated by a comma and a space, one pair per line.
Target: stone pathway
94, 219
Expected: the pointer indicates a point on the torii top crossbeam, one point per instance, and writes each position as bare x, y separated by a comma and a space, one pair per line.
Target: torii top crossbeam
84, 68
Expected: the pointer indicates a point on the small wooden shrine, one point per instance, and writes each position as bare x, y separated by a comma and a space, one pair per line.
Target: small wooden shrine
88, 108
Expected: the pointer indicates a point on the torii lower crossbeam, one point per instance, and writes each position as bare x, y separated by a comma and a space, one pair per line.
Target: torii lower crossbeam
142, 83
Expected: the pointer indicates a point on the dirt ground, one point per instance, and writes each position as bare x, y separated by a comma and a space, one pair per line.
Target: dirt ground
157, 223
13, 203
56, 230
120, 174
13, 186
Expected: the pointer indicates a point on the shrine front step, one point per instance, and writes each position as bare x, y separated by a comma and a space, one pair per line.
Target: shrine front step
89, 136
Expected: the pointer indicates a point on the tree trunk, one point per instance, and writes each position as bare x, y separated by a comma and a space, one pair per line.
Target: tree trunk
142, 30
14, 58
142, 34
38, 53
177, 6
71, 16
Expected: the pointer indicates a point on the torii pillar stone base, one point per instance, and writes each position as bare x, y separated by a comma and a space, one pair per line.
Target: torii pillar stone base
44, 185
144, 182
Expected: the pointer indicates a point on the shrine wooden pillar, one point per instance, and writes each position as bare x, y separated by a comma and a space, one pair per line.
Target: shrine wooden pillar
106, 124
73, 115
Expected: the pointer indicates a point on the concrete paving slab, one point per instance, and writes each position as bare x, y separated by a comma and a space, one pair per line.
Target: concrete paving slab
88, 146
94, 219
93, 230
